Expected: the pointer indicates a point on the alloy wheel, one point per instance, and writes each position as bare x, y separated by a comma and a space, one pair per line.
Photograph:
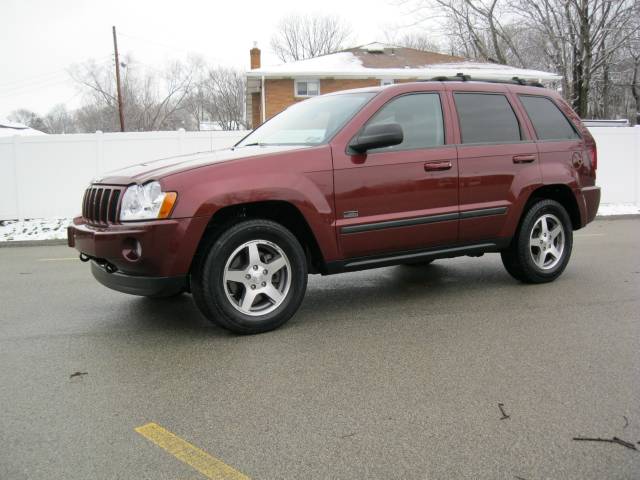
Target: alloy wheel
257, 277
547, 242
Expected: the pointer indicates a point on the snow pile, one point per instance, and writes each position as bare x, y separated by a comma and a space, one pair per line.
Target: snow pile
618, 209
36, 229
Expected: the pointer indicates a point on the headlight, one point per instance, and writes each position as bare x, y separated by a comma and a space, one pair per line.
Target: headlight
146, 202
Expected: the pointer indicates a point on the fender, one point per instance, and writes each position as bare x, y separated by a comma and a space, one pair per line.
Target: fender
307, 185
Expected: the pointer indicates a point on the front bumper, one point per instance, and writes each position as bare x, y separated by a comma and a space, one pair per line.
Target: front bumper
139, 285
160, 248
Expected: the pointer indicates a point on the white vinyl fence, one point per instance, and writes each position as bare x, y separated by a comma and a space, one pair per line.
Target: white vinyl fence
45, 176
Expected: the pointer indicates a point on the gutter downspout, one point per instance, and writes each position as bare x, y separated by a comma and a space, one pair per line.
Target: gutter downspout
262, 98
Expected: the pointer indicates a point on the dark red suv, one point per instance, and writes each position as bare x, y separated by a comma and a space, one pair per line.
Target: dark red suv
402, 174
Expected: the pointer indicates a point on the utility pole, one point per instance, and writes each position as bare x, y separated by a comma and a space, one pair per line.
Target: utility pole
118, 88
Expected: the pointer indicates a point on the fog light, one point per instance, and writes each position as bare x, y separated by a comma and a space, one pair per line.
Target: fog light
131, 249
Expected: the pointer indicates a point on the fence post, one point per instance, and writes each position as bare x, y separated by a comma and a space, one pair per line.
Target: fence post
636, 163
16, 175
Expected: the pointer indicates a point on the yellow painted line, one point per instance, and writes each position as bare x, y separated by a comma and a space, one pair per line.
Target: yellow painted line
198, 459
65, 259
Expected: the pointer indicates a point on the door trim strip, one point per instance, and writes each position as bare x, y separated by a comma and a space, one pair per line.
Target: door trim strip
408, 222
483, 212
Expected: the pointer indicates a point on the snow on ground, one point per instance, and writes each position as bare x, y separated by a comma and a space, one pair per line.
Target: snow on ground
56, 228
35, 229
619, 209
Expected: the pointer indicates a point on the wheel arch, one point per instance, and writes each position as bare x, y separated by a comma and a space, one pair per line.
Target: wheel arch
280, 211
560, 193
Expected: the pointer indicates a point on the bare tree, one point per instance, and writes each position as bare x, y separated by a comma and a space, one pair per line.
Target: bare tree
60, 120
29, 118
415, 40
299, 37
579, 39
583, 37
152, 100
225, 97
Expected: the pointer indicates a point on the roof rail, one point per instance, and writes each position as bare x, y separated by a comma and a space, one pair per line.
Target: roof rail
461, 77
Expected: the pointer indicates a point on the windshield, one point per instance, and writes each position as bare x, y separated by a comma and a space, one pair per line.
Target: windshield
310, 122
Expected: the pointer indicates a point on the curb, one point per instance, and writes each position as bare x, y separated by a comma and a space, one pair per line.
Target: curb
32, 243
630, 216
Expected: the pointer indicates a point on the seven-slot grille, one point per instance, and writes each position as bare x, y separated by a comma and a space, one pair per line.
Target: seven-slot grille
100, 204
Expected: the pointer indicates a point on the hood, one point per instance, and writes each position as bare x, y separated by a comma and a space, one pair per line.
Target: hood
157, 169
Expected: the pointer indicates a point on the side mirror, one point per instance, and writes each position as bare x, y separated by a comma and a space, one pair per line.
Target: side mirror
377, 136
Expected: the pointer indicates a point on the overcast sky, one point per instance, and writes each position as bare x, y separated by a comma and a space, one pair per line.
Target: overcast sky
40, 39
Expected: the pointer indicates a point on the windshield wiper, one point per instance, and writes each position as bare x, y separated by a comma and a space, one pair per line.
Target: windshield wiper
255, 144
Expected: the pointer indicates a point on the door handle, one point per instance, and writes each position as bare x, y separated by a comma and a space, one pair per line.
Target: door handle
524, 158
437, 166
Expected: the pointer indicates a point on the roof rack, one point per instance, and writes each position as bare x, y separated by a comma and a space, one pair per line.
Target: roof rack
461, 77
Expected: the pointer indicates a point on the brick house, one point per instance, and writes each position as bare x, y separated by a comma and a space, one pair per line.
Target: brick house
272, 89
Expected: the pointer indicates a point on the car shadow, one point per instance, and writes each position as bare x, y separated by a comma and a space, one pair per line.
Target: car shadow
336, 295
438, 285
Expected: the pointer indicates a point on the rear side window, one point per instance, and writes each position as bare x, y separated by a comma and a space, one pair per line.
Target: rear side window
419, 115
486, 118
548, 121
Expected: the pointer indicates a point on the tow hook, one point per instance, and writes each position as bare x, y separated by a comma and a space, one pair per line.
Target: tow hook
108, 266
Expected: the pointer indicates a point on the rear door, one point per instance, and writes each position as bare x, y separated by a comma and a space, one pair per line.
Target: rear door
403, 197
496, 157
562, 151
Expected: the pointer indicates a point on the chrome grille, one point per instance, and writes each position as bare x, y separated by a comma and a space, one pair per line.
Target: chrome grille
100, 204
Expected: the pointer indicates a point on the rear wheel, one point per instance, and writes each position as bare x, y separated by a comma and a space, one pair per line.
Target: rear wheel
541, 248
252, 279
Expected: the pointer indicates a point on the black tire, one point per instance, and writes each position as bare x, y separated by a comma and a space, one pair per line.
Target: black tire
209, 289
518, 259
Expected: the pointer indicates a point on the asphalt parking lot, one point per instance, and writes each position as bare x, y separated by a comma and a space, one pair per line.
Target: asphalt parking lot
395, 373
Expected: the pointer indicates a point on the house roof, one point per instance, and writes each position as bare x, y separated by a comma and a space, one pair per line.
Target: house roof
10, 129
378, 60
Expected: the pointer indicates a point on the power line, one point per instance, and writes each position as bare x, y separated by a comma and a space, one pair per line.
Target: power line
45, 76
168, 47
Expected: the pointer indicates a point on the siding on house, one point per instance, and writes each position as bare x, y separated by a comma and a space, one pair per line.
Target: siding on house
280, 93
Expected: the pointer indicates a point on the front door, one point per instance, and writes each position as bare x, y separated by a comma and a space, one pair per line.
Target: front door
403, 197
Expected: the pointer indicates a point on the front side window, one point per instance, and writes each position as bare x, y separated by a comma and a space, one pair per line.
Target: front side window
419, 115
486, 118
548, 121
310, 122
307, 88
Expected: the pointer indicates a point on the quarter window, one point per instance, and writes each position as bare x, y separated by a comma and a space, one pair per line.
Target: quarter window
307, 88
548, 121
486, 118
419, 115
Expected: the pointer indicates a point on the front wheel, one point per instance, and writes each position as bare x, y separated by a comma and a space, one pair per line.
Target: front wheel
252, 279
541, 248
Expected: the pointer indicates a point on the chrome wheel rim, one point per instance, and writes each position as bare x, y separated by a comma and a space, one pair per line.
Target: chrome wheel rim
547, 242
257, 277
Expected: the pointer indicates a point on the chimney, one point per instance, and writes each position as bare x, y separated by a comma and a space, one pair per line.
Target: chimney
255, 56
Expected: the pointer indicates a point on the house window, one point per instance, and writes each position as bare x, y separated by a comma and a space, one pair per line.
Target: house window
386, 81
307, 88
